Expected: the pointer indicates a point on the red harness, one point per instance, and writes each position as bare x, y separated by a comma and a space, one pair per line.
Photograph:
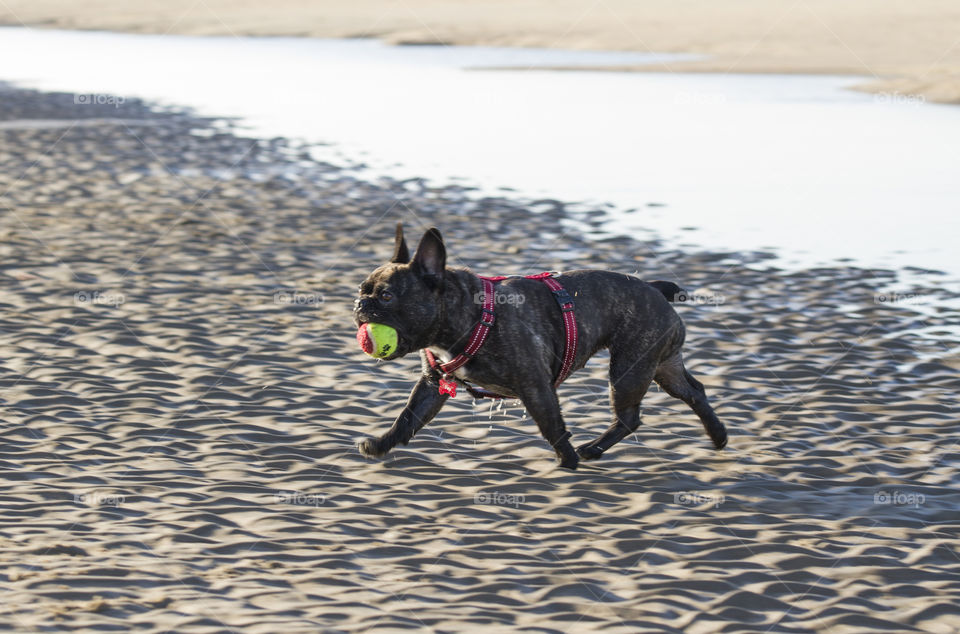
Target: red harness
479, 335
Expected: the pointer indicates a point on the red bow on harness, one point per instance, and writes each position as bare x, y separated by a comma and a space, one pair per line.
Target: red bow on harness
449, 386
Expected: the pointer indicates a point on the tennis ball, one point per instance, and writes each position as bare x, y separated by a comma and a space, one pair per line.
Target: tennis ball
377, 340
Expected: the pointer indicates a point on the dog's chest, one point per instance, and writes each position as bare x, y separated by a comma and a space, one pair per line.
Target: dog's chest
481, 380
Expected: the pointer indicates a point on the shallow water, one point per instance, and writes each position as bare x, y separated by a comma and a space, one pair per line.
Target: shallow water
792, 164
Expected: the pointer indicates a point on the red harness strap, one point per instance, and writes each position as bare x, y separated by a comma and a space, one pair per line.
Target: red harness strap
477, 337
569, 325
482, 329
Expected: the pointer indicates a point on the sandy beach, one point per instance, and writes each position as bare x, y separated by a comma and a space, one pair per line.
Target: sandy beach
182, 394
899, 48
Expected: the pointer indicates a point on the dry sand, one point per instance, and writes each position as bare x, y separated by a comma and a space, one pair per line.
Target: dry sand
178, 434
901, 47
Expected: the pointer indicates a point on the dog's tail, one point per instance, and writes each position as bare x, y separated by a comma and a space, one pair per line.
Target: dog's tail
671, 291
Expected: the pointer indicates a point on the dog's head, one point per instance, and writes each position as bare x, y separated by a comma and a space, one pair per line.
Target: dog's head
405, 293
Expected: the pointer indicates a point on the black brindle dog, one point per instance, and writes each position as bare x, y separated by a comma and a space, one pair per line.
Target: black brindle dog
435, 307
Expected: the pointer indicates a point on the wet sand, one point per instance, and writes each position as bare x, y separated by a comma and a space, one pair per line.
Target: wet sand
182, 393
900, 48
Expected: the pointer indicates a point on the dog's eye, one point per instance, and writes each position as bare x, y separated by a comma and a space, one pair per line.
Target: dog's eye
385, 295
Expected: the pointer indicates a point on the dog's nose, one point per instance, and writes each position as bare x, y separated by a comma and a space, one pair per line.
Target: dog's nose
364, 303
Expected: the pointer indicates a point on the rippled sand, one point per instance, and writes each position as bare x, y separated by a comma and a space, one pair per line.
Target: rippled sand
182, 393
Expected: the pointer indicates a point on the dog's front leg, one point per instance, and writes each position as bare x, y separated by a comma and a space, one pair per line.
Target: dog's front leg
424, 403
544, 407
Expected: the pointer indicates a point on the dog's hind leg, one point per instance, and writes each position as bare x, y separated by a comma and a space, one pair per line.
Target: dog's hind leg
673, 377
629, 380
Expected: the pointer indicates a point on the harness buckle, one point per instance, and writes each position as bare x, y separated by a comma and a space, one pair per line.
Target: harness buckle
487, 318
564, 299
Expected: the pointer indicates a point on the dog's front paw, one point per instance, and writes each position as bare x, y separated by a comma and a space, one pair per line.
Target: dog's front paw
569, 460
718, 434
589, 451
570, 463
371, 448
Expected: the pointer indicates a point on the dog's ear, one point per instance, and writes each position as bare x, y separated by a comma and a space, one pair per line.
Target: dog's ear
430, 260
401, 254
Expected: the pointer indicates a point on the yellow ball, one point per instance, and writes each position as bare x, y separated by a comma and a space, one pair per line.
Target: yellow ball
377, 340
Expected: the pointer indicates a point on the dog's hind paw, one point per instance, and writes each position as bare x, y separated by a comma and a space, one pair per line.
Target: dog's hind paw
589, 452
371, 448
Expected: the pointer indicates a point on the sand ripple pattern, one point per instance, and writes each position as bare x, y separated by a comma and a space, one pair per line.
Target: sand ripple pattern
181, 396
